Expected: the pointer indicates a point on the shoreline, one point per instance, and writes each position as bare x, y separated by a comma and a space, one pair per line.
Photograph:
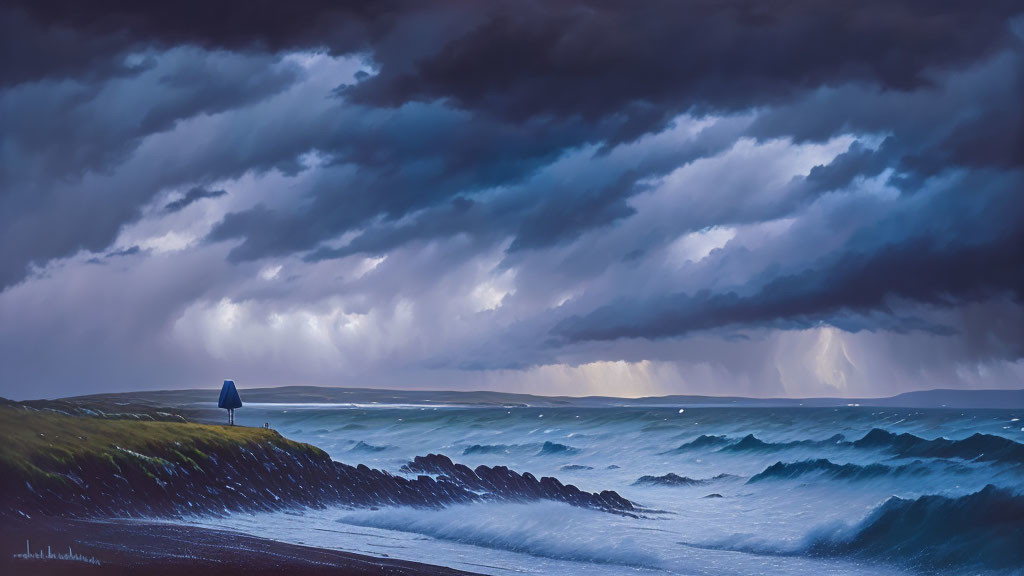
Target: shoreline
125, 546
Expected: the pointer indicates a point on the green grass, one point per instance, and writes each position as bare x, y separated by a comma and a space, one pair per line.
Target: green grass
38, 443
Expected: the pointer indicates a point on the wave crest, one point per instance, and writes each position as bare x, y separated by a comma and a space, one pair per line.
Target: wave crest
487, 449
703, 442
824, 467
751, 443
985, 528
980, 447
554, 448
368, 448
546, 529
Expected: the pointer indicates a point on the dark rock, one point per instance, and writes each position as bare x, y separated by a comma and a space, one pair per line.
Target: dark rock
500, 483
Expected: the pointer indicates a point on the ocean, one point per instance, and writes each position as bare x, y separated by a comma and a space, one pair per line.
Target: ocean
724, 490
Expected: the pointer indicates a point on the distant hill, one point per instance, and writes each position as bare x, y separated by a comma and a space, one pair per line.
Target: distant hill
335, 395
955, 399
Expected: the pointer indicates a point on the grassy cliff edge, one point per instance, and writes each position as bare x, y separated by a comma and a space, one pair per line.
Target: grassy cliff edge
37, 442
71, 465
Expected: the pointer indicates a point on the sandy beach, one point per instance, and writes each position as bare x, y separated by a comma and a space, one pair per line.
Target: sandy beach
139, 547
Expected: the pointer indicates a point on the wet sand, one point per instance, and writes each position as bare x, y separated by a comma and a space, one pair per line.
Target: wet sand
138, 547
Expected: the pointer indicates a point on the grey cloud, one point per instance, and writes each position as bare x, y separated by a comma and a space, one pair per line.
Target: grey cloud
427, 155
130, 251
858, 161
512, 153
907, 255
448, 66
546, 207
646, 63
68, 39
192, 196
59, 136
970, 117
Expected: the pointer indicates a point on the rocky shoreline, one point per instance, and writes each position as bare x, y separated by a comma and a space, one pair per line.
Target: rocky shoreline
78, 480
81, 467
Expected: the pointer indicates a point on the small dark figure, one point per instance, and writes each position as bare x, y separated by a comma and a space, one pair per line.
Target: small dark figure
266, 425
229, 400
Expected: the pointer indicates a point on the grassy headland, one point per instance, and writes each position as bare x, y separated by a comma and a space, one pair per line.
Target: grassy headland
57, 464
41, 443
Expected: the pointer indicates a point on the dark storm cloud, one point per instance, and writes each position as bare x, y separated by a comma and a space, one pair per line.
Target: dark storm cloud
59, 136
461, 215
566, 215
607, 70
858, 161
528, 133
71, 128
192, 196
58, 38
958, 247
973, 119
641, 63
647, 61
617, 72
541, 211
427, 156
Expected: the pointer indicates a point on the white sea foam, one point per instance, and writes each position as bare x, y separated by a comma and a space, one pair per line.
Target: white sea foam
548, 529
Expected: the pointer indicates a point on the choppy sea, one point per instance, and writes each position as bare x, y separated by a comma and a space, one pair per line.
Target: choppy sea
733, 491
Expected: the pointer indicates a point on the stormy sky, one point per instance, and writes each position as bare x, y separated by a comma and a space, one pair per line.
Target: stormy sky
771, 198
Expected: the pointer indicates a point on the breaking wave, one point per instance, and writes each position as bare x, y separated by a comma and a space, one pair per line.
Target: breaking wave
672, 479
754, 444
703, 442
983, 529
980, 447
826, 468
575, 468
368, 448
545, 449
554, 448
545, 529
488, 449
